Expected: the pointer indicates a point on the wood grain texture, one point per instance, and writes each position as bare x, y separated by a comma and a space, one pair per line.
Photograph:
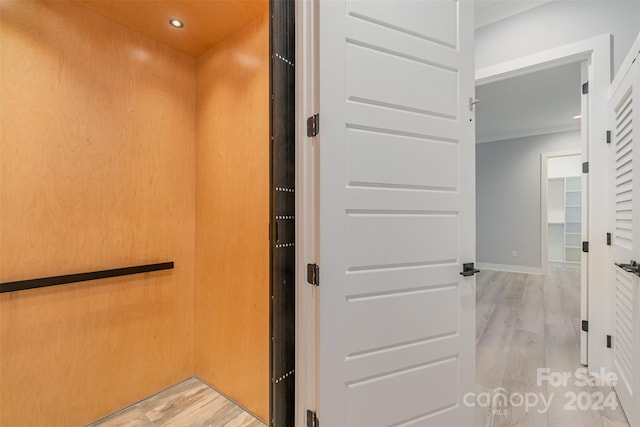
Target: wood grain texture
525, 322
190, 403
96, 172
232, 217
206, 23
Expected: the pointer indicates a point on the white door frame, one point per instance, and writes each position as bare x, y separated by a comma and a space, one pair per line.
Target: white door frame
307, 297
544, 193
544, 229
597, 51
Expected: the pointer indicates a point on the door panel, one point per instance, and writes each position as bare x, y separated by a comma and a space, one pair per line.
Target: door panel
396, 218
378, 321
371, 157
369, 66
625, 116
435, 21
418, 380
399, 239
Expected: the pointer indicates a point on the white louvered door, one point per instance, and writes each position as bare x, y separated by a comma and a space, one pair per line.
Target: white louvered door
625, 122
396, 218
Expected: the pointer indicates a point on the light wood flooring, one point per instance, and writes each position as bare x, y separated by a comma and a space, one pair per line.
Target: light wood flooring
190, 403
525, 322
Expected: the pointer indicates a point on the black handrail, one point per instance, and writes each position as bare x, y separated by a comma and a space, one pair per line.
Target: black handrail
22, 285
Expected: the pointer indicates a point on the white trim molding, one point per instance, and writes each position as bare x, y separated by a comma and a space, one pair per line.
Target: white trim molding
497, 10
634, 52
509, 268
567, 54
307, 297
525, 133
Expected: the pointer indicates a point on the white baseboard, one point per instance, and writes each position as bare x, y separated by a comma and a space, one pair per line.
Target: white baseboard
509, 268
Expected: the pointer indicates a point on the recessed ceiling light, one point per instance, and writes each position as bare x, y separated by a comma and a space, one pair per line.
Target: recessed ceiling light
176, 23
577, 116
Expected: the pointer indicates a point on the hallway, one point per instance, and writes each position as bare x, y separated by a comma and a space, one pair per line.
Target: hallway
525, 322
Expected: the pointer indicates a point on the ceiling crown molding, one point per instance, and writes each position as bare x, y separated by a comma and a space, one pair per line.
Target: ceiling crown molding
490, 11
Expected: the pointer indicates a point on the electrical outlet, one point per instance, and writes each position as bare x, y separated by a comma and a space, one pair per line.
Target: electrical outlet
514, 254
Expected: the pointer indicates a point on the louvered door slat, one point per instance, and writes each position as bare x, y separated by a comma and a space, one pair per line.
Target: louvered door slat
624, 115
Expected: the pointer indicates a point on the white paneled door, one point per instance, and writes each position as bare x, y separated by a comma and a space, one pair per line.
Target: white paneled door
396, 213
625, 119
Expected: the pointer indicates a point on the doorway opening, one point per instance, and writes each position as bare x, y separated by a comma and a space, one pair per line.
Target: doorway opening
531, 222
562, 180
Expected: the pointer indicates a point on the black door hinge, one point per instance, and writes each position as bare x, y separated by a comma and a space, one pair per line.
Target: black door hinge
585, 246
313, 274
608, 137
313, 125
585, 167
312, 419
608, 239
585, 88
609, 341
585, 325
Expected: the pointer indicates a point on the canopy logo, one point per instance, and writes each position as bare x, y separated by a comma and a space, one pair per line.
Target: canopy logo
567, 391
501, 402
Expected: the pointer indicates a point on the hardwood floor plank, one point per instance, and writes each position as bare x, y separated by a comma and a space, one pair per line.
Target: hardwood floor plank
562, 357
493, 348
531, 310
525, 356
189, 403
527, 322
487, 291
613, 417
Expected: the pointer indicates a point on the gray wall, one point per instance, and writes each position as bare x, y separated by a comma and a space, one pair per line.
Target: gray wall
558, 23
508, 196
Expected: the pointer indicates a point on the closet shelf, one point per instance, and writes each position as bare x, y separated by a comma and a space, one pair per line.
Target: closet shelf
564, 202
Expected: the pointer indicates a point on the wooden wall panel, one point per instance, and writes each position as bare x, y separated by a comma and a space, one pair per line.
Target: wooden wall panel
232, 217
96, 171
